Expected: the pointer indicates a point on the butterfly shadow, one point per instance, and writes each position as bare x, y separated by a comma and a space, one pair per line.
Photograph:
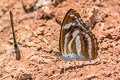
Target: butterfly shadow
78, 66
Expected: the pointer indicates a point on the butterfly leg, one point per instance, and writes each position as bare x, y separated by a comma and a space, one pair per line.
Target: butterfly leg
63, 66
75, 66
64, 63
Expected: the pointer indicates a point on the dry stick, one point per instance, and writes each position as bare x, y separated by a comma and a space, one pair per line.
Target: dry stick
16, 48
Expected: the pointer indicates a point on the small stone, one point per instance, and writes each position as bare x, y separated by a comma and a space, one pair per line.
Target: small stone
89, 77
35, 34
45, 41
30, 44
34, 58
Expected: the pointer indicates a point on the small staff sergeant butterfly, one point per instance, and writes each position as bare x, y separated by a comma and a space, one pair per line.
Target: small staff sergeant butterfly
76, 41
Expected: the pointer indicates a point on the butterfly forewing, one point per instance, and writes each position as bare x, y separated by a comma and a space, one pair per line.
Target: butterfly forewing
75, 41
66, 27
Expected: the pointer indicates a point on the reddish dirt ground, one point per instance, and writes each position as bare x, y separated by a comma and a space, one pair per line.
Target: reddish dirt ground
37, 31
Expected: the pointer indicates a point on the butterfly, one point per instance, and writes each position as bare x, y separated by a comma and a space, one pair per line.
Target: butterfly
76, 41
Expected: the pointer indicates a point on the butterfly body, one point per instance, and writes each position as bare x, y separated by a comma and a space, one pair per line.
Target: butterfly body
76, 42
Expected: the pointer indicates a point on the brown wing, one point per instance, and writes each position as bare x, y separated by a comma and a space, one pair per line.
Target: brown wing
71, 22
67, 25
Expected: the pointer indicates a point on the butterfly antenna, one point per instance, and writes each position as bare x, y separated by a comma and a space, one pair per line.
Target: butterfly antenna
16, 48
